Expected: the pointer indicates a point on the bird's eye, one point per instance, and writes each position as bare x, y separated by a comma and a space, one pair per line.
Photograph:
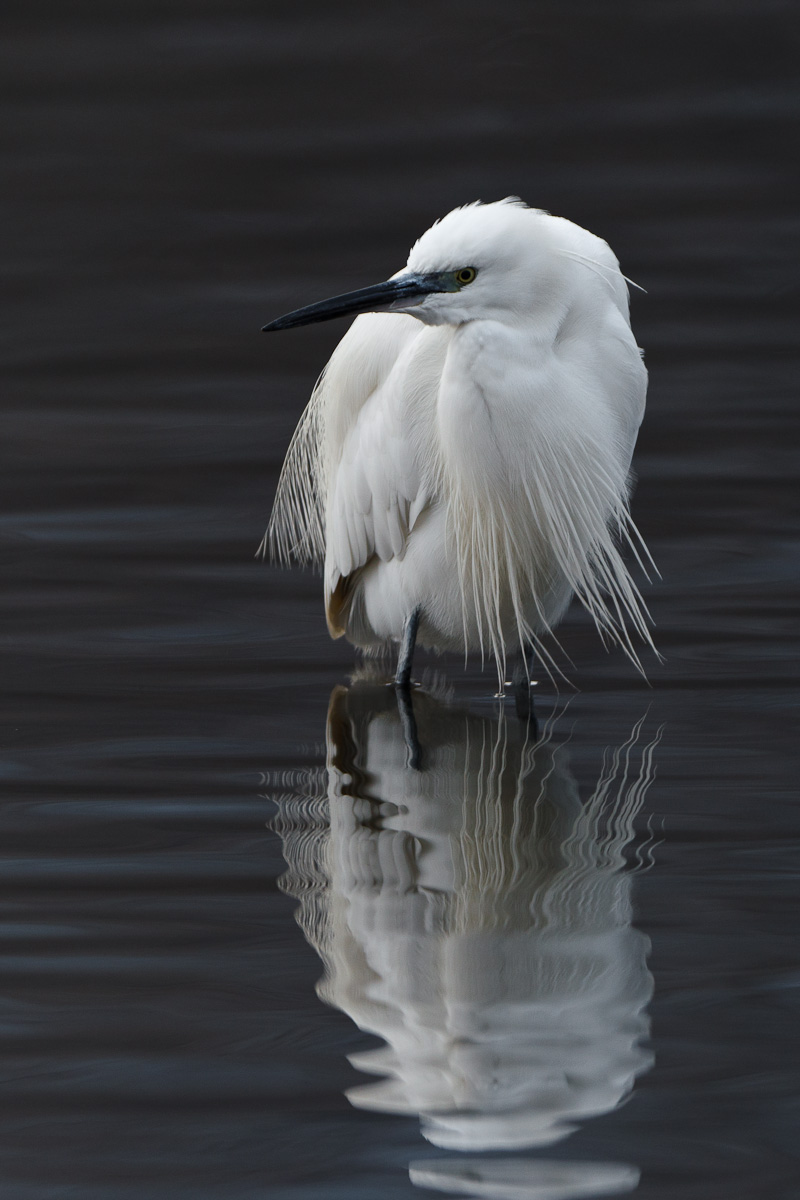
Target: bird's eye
465, 276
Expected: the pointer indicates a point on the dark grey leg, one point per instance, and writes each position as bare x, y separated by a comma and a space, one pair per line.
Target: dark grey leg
521, 683
406, 656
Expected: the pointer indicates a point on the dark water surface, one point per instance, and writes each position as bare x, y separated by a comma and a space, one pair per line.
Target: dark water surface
526, 935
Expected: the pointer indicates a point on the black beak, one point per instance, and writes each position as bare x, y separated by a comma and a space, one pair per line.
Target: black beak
395, 293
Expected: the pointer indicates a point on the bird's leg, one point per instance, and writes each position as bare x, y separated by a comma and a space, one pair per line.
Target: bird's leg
406, 656
521, 684
405, 707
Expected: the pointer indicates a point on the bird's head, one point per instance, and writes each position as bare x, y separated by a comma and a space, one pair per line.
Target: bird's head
483, 261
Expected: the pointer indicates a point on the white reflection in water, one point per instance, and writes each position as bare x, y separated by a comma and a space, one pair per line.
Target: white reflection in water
476, 916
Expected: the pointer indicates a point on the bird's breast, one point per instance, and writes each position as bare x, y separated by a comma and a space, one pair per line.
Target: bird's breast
492, 381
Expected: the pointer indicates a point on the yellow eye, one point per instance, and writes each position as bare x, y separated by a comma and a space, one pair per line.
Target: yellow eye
465, 276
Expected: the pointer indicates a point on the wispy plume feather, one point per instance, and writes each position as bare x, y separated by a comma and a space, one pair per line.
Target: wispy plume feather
296, 530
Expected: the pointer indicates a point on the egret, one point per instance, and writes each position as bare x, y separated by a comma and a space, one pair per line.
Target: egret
462, 469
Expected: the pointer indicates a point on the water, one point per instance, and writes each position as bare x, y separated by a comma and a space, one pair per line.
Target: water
176, 176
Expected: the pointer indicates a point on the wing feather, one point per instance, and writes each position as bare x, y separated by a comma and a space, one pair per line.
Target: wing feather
359, 364
372, 491
355, 480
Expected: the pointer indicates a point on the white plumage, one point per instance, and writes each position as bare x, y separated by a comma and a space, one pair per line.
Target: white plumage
465, 455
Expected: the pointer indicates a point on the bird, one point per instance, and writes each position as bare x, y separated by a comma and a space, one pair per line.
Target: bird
463, 467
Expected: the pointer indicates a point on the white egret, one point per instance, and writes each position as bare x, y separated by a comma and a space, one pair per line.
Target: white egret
462, 468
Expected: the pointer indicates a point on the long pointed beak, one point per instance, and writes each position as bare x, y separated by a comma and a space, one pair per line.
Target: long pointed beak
395, 293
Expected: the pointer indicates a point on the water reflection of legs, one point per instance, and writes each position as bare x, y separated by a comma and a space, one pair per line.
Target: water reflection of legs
476, 916
405, 707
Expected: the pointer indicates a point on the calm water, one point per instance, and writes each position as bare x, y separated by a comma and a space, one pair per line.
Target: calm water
528, 971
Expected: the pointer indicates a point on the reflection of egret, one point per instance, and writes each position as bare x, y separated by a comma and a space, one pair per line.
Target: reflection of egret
476, 916
462, 467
